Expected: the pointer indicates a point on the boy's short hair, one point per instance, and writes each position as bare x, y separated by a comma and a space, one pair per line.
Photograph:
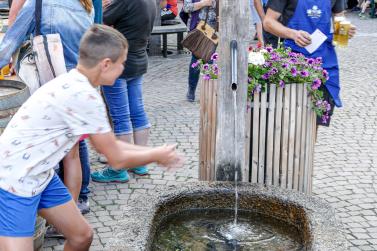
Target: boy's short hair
100, 42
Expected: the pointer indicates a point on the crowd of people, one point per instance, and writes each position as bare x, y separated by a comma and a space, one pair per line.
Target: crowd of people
47, 137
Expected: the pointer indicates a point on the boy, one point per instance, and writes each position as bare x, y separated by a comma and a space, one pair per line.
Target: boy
45, 129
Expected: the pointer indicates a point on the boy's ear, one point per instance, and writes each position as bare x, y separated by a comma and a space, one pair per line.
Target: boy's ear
106, 64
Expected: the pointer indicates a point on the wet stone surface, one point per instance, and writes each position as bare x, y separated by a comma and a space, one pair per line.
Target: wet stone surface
345, 168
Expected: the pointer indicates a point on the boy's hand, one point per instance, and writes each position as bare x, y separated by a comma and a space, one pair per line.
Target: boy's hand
168, 157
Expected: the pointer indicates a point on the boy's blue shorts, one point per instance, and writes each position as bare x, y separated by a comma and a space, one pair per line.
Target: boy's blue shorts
18, 214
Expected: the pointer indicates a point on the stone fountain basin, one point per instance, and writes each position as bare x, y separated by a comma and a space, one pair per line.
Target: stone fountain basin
314, 218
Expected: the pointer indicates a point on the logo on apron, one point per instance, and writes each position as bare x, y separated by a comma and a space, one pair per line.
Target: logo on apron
314, 12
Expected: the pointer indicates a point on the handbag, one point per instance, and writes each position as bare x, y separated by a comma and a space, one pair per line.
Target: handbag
41, 58
203, 40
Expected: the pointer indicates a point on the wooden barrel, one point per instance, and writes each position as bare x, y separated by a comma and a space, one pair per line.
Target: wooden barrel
12, 95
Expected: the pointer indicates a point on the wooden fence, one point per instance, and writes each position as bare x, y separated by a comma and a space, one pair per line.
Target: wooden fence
281, 139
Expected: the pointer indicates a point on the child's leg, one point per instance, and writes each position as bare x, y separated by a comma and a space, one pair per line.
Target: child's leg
72, 172
16, 243
58, 208
68, 220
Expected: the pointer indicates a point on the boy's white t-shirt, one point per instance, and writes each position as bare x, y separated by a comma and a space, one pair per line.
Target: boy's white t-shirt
45, 129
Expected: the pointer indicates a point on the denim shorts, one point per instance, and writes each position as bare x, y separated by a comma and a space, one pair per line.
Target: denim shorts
18, 214
126, 105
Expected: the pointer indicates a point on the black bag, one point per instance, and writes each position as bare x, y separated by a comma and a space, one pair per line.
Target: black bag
203, 40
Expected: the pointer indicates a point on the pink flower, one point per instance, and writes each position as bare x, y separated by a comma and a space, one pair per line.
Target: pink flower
215, 56
206, 77
281, 83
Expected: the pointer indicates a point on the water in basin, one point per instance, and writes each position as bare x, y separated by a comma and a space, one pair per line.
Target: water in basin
215, 230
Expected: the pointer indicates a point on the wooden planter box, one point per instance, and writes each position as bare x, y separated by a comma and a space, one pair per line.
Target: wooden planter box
281, 136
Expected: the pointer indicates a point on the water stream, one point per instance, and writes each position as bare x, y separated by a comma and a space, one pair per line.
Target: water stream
236, 156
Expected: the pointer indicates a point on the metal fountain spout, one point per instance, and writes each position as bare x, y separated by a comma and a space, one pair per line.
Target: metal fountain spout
233, 55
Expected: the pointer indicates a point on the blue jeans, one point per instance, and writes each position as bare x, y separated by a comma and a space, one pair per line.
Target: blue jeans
194, 74
85, 168
97, 4
126, 105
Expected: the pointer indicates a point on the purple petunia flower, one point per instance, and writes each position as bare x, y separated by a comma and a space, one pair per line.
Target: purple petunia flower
325, 74
257, 88
215, 68
294, 71
318, 60
195, 64
267, 64
281, 83
293, 61
310, 61
292, 54
273, 71
206, 67
316, 84
206, 77
269, 49
215, 56
304, 74
265, 76
285, 65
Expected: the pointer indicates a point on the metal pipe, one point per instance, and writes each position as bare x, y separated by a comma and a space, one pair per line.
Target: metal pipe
233, 55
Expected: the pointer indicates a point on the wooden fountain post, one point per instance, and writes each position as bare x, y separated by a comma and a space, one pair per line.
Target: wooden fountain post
234, 25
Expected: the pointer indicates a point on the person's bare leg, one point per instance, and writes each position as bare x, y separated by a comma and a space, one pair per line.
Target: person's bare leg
259, 29
68, 220
141, 137
73, 172
125, 138
16, 243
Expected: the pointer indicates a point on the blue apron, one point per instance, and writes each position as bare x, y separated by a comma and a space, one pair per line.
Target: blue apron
309, 16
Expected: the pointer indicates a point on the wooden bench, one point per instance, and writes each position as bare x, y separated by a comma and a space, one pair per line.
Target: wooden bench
164, 30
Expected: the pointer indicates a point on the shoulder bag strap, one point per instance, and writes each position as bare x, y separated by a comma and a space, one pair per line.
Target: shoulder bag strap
38, 15
217, 15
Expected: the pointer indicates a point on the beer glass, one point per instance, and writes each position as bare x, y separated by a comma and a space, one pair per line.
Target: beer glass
337, 21
344, 27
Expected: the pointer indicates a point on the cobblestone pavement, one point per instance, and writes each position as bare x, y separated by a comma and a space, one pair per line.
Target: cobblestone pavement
345, 156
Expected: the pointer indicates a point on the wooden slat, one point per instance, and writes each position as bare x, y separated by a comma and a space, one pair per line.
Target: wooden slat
312, 144
307, 146
303, 139
262, 138
213, 132
247, 138
209, 127
277, 137
291, 137
205, 128
255, 139
284, 137
201, 130
296, 166
270, 135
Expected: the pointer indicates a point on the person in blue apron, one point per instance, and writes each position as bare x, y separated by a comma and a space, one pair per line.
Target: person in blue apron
300, 18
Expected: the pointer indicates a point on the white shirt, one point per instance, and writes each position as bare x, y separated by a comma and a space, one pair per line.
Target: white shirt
45, 129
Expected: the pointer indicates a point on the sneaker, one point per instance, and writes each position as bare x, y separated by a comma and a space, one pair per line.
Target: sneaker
52, 232
142, 170
108, 174
83, 206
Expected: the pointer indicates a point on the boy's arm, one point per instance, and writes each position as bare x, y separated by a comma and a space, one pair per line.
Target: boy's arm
122, 155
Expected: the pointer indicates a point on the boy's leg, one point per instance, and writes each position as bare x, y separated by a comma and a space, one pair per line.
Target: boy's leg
69, 221
16, 243
58, 208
